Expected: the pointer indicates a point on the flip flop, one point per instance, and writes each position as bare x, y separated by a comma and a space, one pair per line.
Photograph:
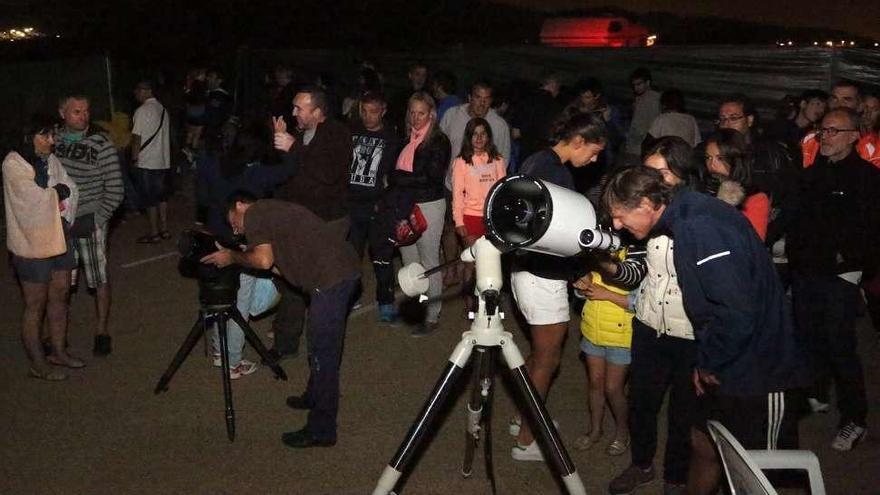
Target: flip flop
48, 375
71, 362
149, 239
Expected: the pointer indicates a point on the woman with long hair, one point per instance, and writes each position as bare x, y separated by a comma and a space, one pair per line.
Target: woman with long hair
420, 173
729, 162
40, 202
540, 282
663, 351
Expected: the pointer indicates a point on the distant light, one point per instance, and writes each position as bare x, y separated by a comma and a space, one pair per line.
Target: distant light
815, 43
17, 34
876, 44
852, 43
651, 40
790, 43
829, 43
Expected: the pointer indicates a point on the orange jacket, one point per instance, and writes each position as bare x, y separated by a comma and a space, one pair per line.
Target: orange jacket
868, 147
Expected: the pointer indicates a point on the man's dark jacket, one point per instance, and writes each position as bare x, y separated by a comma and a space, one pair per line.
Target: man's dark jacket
320, 177
733, 297
837, 220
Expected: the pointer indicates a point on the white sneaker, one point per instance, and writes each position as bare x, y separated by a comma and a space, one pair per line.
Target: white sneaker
216, 360
515, 424
848, 437
244, 368
530, 452
818, 406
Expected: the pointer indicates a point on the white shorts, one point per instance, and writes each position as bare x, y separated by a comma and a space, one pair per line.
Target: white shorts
541, 300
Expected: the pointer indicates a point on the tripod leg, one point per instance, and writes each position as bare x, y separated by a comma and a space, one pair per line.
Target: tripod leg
192, 338
544, 429
227, 381
254, 340
474, 414
487, 385
418, 430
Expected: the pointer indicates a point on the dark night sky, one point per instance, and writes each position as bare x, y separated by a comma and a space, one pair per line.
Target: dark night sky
861, 17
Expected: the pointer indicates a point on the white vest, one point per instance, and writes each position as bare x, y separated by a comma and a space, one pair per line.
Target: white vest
659, 303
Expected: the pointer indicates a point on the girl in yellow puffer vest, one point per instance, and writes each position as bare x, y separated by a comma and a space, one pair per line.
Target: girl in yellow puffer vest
606, 327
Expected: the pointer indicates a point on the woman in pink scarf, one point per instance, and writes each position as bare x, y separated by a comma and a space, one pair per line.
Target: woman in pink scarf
421, 171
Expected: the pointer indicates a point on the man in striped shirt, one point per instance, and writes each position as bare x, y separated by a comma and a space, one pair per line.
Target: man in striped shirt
91, 161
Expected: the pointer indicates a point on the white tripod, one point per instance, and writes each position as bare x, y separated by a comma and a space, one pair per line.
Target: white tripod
486, 333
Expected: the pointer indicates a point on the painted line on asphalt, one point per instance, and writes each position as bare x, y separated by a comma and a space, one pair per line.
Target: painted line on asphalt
150, 259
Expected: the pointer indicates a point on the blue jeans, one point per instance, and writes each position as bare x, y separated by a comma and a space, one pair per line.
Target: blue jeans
234, 333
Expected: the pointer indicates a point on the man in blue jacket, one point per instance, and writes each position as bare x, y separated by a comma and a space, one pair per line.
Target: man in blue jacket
747, 356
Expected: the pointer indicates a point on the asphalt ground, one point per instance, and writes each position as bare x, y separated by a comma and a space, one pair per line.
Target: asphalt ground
104, 431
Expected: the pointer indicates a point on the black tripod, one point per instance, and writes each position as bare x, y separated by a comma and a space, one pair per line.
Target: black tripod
219, 314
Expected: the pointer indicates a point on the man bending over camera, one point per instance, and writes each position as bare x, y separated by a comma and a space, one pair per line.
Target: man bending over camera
304, 249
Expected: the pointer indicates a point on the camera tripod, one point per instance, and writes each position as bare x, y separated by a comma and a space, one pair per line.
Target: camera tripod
220, 314
486, 335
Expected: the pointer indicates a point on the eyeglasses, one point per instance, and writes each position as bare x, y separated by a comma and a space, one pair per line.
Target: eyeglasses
831, 131
732, 119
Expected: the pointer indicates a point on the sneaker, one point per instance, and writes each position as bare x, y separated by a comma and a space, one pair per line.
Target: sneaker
388, 314
244, 368
216, 360
530, 452
848, 437
515, 424
630, 479
818, 406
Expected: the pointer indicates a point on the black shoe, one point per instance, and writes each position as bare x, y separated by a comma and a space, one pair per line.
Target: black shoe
299, 402
303, 439
103, 345
277, 356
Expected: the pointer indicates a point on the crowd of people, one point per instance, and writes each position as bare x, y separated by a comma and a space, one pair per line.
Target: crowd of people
746, 263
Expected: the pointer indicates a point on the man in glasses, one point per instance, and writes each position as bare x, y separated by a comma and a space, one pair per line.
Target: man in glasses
830, 244
773, 171
844, 94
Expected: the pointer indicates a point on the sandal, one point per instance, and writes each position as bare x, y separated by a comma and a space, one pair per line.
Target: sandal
617, 447
70, 362
49, 375
149, 239
586, 441
165, 235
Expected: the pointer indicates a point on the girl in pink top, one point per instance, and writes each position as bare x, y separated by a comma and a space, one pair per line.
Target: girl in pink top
474, 172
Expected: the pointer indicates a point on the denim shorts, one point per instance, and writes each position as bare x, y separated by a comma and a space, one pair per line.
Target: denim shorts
39, 271
614, 355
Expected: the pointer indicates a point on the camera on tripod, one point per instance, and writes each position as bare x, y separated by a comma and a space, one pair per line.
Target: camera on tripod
217, 286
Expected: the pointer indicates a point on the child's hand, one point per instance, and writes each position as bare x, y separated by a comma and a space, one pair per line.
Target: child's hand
583, 283
598, 293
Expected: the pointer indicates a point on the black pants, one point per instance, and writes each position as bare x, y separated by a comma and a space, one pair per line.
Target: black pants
658, 365
825, 308
329, 311
364, 232
290, 317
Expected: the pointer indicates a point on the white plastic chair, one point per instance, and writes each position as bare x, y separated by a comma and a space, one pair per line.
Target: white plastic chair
743, 467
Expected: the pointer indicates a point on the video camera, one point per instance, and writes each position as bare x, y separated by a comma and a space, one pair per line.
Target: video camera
217, 286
